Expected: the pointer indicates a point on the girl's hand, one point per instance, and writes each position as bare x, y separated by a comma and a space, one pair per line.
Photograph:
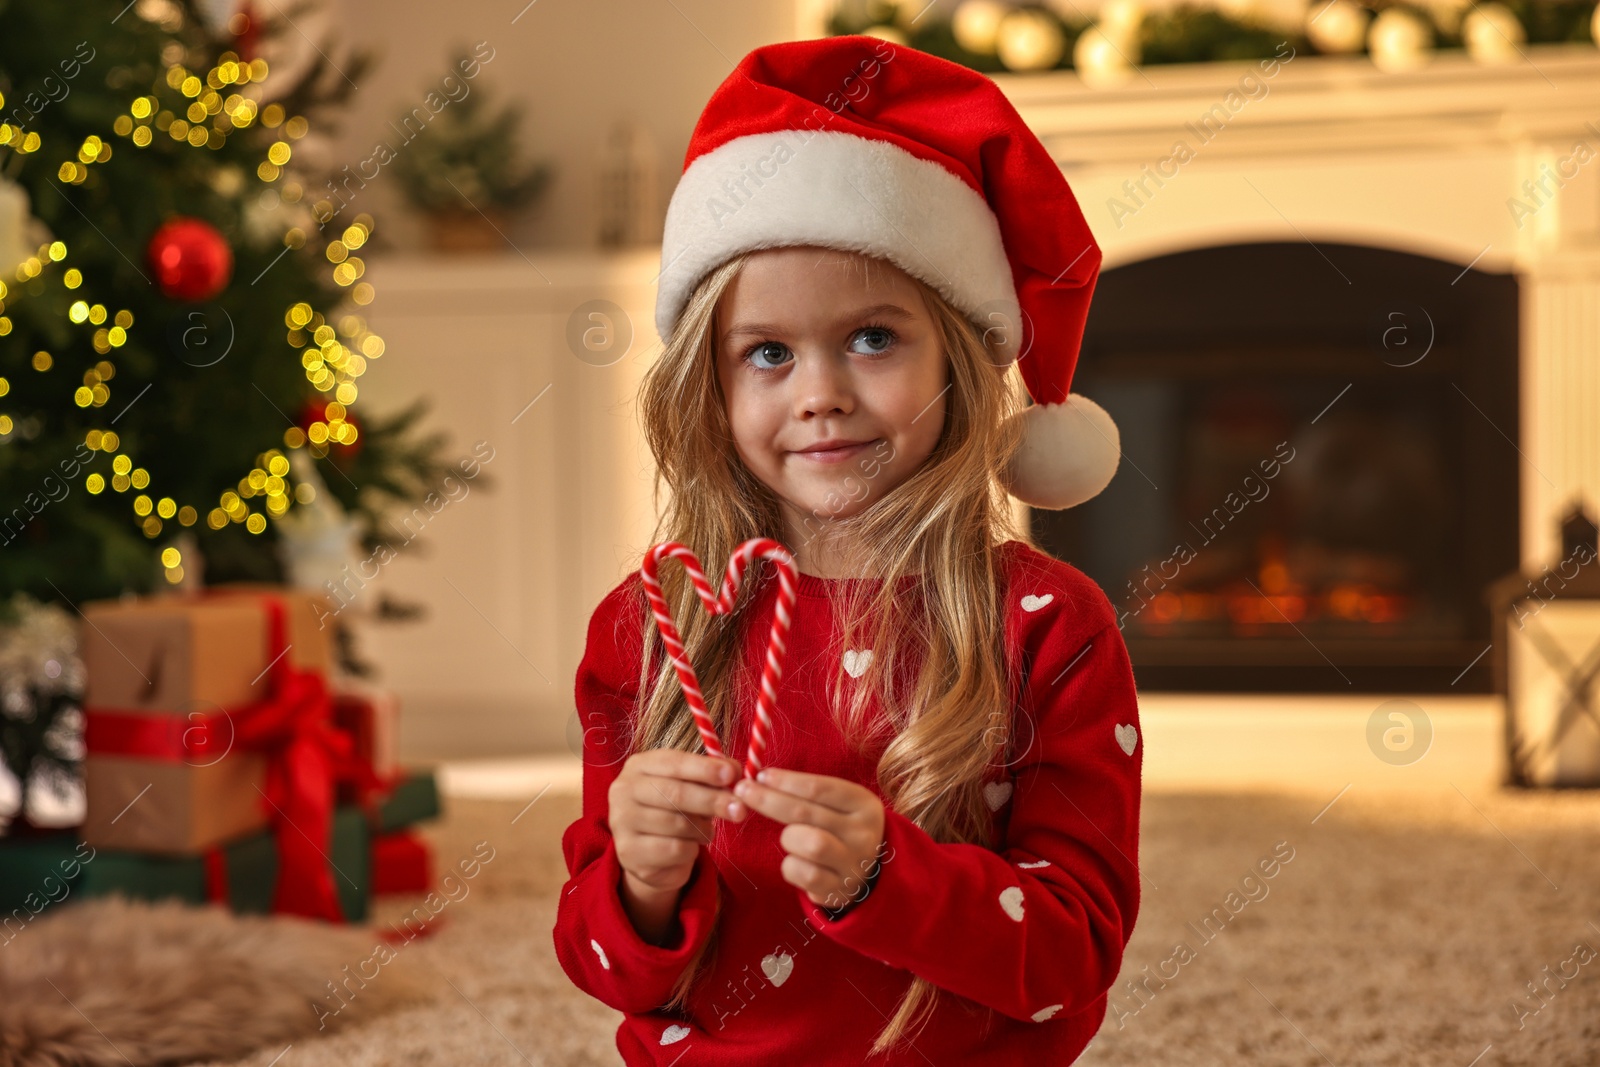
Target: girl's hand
661, 807
835, 831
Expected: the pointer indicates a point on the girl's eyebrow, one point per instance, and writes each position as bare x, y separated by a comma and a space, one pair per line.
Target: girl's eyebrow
876, 310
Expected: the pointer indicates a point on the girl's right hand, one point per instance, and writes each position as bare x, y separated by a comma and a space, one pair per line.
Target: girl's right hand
662, 804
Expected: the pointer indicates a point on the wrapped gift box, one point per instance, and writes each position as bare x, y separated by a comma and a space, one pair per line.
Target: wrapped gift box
241, 874
46, 869
36, 870
402, 862
413, 799
183, 657
371, 716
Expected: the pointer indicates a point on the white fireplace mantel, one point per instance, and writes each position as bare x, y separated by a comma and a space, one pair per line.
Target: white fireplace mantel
1333, 151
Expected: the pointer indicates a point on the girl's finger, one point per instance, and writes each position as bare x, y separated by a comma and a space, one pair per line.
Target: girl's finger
690, 766
786, 807
663, 822
816, 846
824, 790
651, 850
803, 874
686, 798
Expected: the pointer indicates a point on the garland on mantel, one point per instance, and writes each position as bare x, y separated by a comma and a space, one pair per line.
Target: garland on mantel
996, 36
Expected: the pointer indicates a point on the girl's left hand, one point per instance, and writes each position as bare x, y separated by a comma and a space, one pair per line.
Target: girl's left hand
834, 833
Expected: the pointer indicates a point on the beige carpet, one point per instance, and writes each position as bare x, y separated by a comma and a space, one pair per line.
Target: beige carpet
1402, 931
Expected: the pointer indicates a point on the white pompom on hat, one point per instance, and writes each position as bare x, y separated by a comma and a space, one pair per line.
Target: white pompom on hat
859, 144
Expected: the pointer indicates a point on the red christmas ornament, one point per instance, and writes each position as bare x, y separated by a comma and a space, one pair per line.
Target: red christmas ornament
249, 36
316, 410
190, 259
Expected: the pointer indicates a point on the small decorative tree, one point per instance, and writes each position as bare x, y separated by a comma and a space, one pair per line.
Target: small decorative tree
462, 170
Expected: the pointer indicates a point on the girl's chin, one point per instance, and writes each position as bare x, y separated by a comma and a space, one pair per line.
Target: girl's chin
825, 506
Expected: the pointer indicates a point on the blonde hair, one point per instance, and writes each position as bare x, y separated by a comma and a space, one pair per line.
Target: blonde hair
943, 523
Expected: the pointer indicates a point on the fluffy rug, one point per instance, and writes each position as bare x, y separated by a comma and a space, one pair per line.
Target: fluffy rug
109, 981
1405, 930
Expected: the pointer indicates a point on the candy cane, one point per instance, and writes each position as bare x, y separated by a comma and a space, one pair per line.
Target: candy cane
777, 639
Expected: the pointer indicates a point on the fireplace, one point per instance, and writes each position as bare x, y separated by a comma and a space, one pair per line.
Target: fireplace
1319, 474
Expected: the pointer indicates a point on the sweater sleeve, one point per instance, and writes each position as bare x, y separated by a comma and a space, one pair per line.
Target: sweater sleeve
595, 941
1037, 927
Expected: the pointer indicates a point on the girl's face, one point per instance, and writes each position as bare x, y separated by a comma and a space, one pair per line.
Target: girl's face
811, 354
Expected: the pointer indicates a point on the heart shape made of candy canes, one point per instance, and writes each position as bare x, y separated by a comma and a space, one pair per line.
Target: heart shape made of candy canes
722, 604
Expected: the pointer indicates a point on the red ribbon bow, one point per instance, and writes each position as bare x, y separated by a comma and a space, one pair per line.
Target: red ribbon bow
306, 756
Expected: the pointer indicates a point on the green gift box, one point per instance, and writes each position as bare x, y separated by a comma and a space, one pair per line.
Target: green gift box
241, 874
414, 798
36, 871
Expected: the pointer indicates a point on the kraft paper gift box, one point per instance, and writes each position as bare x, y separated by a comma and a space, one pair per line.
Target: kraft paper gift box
370, 714
156, 667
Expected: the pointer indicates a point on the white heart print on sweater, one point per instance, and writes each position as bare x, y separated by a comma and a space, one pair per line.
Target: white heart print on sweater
1034, 603
996, 793
777, 967
1127, 737
674, 1033
598, 951
1011, 901
856, 663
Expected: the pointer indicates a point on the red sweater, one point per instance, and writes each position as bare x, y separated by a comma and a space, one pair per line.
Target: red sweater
1034, 929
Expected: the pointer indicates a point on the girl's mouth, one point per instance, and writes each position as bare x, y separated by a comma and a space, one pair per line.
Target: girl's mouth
834, 455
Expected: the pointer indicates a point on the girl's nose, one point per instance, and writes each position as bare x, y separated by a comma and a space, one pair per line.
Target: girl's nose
822, 385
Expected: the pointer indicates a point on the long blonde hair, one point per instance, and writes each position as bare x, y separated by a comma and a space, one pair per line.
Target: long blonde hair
942, 523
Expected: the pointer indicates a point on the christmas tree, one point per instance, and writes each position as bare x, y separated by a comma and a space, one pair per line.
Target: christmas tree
179, 313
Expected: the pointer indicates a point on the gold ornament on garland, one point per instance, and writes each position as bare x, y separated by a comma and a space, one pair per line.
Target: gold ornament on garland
1399, 40
1338, 27
1029, 39
976, 25
1399, 35
1101, 62
1493, 35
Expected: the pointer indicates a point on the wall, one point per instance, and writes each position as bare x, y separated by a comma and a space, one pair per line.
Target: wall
577, 67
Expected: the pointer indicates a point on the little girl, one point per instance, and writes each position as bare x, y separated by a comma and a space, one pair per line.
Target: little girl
939, 864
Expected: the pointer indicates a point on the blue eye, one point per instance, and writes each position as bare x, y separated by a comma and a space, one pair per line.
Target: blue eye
887, 334
754, 349
885, 337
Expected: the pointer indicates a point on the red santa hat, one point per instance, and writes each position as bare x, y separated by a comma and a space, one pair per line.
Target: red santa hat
858, 144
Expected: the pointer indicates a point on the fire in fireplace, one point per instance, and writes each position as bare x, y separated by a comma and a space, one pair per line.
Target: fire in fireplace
1319, 474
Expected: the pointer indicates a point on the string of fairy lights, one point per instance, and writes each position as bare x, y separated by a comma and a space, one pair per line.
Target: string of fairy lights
331, 365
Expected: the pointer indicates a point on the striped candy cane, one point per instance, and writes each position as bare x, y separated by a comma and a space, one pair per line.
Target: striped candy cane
777, 641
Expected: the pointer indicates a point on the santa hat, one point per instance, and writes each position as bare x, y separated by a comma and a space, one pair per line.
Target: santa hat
858, 144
